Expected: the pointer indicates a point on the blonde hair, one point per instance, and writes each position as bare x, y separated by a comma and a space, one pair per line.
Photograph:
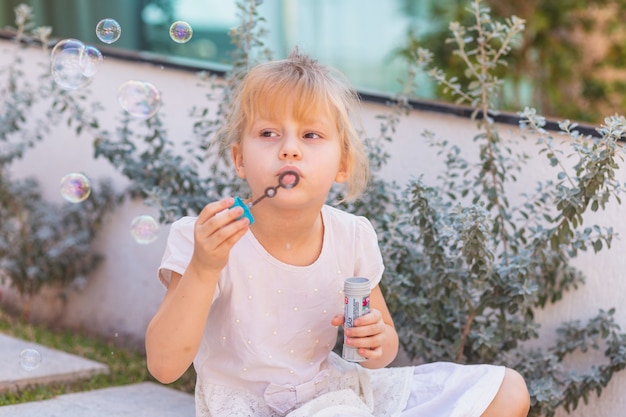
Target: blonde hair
265, 89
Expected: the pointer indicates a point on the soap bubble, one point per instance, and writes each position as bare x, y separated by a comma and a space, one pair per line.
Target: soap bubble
108, 30
70, 67
30, 359
144, 229
140, 99
75, 187
91, 60
181, 32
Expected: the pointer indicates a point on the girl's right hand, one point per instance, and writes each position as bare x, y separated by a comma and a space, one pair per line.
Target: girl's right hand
216, 231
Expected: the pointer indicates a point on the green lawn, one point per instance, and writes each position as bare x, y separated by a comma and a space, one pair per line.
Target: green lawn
126, 366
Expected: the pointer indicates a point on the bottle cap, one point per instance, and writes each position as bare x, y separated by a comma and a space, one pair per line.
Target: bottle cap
357, 286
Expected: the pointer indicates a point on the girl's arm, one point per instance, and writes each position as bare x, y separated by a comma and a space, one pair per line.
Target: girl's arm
174, 333
374, 333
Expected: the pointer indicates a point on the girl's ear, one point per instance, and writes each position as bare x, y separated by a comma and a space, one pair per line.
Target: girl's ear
237, 157
344, 169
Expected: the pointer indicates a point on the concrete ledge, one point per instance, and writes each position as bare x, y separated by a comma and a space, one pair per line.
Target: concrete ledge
146, 399
55, 366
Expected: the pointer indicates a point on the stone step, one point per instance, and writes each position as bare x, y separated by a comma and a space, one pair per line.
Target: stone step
54, 366
146, 399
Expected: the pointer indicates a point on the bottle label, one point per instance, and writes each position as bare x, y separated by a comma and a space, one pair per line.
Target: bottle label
354, 307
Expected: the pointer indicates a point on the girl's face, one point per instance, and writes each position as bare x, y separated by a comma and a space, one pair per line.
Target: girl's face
277, 141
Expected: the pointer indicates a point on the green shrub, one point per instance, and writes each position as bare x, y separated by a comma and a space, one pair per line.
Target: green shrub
41, 243
466, 269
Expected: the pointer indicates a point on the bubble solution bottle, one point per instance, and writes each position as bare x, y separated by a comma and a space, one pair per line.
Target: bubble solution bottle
357, 303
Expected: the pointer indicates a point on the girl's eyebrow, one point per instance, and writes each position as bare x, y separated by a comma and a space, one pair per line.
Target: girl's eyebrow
321, 124
259, 121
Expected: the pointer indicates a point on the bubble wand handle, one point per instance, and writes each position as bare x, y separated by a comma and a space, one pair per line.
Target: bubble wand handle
246, 210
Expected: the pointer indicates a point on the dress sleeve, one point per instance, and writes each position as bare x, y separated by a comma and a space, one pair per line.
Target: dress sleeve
178, 249
369, 261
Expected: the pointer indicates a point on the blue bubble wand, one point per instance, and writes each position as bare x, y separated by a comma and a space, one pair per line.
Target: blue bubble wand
269, 192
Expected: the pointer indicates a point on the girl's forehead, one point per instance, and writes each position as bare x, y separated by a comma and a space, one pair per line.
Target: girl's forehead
300, 107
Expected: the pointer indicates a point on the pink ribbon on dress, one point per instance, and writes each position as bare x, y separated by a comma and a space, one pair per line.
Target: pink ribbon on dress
283, 398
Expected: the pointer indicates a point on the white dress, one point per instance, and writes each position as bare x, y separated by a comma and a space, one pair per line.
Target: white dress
267, 347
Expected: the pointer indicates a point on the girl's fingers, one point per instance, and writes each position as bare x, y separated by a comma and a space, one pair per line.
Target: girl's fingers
369, 325
210, 210
374, 316
212, 225
371, 353
214, 239
337, 320
231, 232
370, 342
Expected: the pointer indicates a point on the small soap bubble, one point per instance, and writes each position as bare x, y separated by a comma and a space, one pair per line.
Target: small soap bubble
144, 229
108, 30
140, 99
75, 187
181, 32
91, 60
67, 64
30, 359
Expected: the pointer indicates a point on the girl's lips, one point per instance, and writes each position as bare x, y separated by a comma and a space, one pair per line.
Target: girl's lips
290, 168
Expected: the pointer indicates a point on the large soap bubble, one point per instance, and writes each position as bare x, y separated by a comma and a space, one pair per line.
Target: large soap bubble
108, 30
91, 60
73, 64
140, 99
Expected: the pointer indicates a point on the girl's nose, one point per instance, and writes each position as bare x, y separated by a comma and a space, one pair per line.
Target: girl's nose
290, 148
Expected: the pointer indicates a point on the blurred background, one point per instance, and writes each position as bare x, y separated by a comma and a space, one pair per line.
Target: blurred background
570, 62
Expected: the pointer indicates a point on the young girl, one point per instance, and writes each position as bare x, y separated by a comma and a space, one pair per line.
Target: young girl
256, 307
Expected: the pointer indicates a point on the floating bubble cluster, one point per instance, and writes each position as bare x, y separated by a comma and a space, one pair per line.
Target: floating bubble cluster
30, 359
108, 30
140, 99
144, 229
75, 187
73, 64
181, 32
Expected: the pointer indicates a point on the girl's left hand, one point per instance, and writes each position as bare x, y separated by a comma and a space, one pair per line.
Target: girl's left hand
368, 333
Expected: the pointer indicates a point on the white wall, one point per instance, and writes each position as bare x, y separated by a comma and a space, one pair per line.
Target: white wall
121, 297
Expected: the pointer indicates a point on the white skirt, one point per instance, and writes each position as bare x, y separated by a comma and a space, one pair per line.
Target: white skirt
438, 389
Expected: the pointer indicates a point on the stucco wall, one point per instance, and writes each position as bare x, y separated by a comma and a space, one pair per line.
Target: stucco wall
121, 297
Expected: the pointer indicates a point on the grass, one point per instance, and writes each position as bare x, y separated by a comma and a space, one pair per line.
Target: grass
126, 366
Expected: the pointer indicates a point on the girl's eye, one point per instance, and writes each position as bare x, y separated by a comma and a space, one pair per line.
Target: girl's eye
312, 135
267, 134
